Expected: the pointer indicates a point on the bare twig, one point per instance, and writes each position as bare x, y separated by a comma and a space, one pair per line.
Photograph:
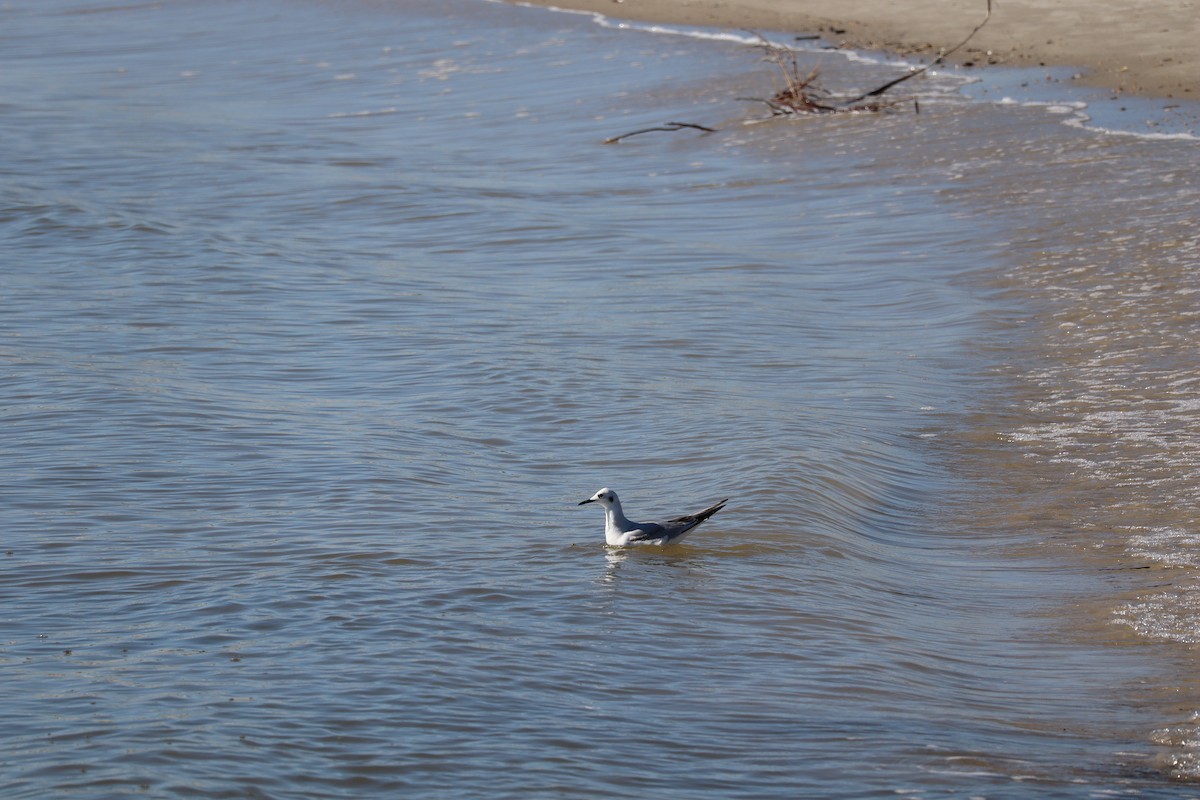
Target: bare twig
797, 96
669, 127
802, 95
927, 67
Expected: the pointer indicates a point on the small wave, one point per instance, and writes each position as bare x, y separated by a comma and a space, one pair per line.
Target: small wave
370, 112
1066, 102
1183, 740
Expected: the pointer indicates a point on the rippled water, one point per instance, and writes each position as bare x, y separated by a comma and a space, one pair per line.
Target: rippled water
318, 319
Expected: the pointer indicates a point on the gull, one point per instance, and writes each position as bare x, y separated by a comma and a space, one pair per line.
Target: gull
620, 531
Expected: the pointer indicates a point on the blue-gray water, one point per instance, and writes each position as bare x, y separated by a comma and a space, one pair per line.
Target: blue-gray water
318, 319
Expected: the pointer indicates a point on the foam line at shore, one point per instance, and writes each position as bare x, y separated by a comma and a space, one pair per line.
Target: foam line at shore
1090, 108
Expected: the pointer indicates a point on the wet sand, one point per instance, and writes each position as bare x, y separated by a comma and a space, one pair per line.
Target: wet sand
1145, 47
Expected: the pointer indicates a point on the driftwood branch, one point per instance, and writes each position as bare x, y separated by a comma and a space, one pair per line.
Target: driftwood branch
797, 96
802, 95
927, 67
669, 127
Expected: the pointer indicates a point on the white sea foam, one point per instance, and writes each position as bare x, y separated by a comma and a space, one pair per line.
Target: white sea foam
1074, 111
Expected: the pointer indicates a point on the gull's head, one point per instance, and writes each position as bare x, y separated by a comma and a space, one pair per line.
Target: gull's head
605, 497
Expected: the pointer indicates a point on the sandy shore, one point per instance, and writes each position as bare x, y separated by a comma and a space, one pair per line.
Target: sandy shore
1146, 47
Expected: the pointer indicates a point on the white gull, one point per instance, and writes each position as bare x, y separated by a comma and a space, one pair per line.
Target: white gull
618, 530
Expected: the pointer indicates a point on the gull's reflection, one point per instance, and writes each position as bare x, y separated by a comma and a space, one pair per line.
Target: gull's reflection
613, 558
688, 559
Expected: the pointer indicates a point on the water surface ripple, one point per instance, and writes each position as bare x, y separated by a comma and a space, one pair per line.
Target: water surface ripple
316, 321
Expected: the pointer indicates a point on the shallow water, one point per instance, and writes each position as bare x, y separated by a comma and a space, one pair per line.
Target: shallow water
318, 319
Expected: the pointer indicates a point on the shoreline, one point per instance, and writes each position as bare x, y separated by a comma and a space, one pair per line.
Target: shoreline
1143, 47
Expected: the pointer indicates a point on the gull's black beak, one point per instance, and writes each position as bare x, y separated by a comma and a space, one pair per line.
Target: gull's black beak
589, 500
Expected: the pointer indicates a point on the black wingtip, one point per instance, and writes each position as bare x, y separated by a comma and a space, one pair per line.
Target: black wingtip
714, 508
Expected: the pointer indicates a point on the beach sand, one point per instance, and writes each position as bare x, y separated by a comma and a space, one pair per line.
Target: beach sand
1144, 47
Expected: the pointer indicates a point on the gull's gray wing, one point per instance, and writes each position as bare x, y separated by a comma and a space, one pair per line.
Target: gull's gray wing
649, 531
673, 529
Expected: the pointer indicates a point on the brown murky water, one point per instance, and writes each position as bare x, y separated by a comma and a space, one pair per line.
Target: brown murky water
1100, 447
